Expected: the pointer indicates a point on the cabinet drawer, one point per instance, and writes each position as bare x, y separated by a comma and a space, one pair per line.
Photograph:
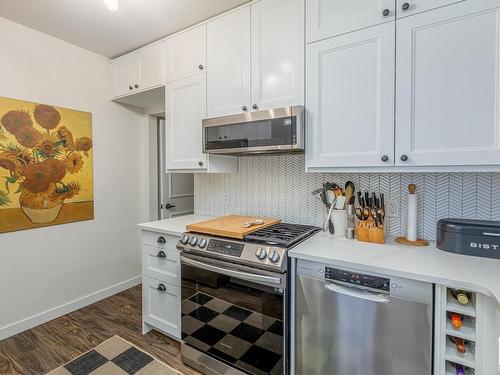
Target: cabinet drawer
159, 240
161, 264
161, 306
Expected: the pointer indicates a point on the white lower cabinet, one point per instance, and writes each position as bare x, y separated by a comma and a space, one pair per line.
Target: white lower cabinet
448, 85
350, 99
161, 270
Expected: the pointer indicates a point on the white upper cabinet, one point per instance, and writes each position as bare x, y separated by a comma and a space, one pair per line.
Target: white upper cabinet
151, 66
228, 59
327, 18
277, 53
406, 8
448, 85
185, 108
186, 53
350, 99
124, 75
138, 71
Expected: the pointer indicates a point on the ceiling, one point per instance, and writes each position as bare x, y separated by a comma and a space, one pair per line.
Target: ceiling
91, 25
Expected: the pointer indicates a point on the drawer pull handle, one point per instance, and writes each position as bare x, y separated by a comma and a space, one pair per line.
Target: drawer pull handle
161, 240
162, 288
161, 254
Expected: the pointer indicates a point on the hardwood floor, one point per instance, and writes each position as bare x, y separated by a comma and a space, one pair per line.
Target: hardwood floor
50, 345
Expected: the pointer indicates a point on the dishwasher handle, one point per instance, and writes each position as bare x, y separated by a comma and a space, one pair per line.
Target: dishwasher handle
357, 293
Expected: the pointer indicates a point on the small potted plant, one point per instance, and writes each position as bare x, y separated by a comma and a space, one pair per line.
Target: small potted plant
42, 156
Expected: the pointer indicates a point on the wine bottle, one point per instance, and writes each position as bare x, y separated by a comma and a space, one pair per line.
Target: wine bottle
462, 296
460, 370
459, 344
456, 321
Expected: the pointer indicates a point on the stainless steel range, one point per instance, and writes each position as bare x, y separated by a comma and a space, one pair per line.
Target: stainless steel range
235, 300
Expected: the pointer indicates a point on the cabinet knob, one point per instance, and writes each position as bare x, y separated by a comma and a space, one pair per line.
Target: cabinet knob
255, 106
200, 163
406, 6
130, 87
161, 254
404, 157
161, 239
136, 86
386, 12
385, 158
201, 67
244, 108
161, 287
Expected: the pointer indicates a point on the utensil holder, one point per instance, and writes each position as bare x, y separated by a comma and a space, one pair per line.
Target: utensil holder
369, 232
339, 220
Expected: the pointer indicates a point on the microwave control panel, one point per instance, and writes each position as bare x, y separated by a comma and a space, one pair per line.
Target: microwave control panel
361, 280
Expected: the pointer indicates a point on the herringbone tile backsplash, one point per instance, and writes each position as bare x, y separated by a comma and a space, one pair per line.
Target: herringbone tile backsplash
277, 186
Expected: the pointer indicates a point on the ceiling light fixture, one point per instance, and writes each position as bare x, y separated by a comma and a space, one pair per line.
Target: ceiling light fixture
112, 4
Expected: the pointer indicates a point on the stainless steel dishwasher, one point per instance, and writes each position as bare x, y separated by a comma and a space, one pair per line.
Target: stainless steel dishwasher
353, 323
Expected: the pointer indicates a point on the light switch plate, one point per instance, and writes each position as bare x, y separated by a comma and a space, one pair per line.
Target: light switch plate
392, 209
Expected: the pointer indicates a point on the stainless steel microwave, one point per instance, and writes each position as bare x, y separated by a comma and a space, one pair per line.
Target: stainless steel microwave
260, 132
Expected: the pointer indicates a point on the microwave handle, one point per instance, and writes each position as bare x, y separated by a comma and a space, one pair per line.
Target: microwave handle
238, 274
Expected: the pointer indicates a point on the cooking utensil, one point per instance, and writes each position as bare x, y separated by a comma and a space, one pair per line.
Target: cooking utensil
349, 191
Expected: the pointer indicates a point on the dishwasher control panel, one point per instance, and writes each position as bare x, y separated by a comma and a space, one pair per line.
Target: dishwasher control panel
363, 280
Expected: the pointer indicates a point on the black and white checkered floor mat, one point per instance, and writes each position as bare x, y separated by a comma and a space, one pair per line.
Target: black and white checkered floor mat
245, 339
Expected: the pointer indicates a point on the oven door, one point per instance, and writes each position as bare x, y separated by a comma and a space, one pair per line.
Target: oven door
233, 314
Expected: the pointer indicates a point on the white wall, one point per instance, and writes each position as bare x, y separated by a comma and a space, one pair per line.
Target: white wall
43, 269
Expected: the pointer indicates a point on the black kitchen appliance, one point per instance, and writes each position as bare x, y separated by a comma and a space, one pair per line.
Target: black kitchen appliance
469, 237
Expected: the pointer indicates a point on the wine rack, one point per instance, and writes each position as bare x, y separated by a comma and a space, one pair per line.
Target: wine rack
477, 318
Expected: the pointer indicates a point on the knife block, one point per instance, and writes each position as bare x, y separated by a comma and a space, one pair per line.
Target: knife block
369, 232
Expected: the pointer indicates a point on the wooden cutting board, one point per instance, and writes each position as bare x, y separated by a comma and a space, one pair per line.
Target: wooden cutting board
230, 226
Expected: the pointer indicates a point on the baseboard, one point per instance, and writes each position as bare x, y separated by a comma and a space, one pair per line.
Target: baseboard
56, 312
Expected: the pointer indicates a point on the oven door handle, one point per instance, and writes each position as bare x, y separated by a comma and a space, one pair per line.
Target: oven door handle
228, 272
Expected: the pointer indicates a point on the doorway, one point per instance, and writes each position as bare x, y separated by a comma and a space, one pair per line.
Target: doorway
175, 191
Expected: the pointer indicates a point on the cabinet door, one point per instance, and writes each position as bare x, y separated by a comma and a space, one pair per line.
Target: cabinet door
277, 53
161, 305
228, 58
186, 53
409, 7
151, 66
124, 75
350, 99
186, 107
448, 85
327, 18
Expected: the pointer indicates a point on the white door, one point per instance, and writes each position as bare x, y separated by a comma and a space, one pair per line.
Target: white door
327, 18
185, 107
448, 86
186, 53
409, 7
277, 54
228, 59
176, 190
125, 75
151, 66
350, 99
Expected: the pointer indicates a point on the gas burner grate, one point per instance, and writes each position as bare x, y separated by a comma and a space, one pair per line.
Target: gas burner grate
282, 234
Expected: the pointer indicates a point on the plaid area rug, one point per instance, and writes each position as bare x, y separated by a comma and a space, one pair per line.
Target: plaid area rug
115, 356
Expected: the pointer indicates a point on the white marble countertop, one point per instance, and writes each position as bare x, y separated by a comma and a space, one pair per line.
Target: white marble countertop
419, 263
174, 226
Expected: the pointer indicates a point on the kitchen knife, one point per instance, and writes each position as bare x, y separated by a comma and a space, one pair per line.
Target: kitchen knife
382, 201
367, 198
374, 199
360, 199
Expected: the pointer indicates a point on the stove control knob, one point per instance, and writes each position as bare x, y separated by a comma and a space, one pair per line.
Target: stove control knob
261, 253
193, 241
185, 239
202, 243
274, 256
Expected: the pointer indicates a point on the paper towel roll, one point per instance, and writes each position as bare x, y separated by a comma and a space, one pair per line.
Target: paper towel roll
411, 224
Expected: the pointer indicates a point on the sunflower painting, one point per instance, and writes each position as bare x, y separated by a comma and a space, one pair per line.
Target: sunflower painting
45, 165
